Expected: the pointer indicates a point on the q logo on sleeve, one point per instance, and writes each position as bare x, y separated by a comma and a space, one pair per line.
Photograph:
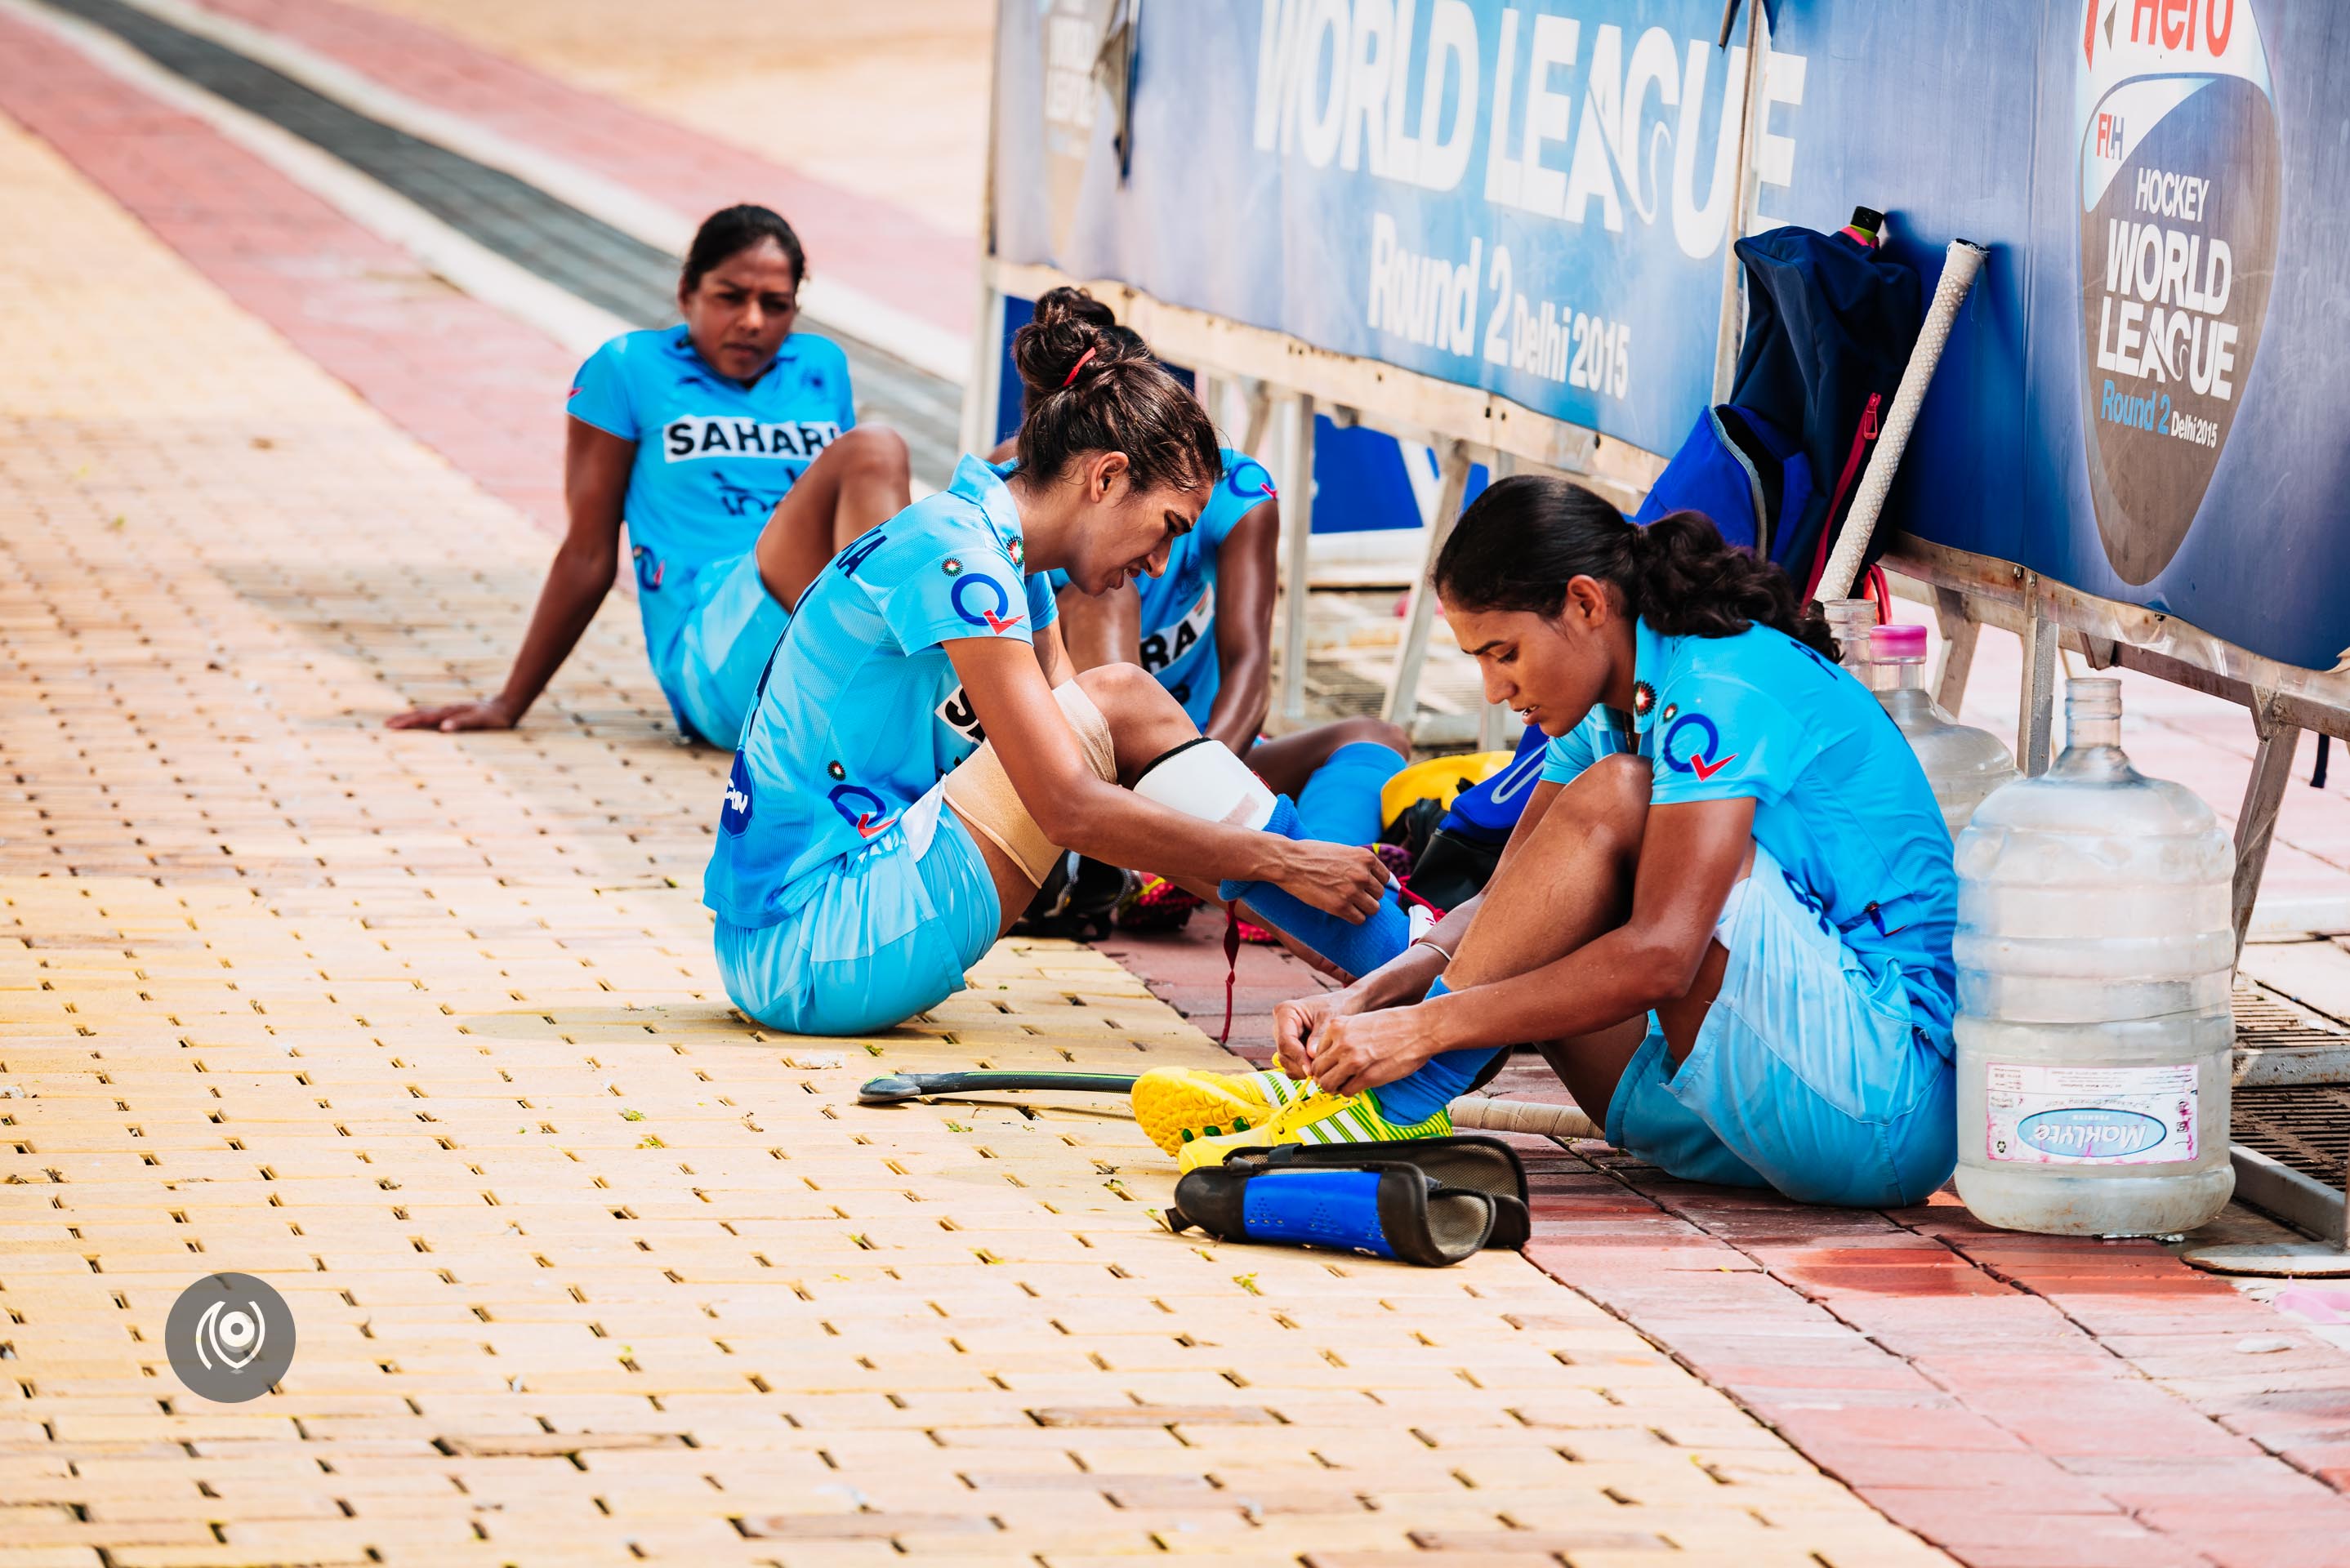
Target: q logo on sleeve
1701, 756
997, 616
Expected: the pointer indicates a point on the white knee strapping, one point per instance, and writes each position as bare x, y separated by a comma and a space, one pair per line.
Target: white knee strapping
1206, 780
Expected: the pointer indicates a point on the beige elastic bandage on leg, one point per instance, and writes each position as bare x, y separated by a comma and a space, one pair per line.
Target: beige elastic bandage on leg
980, 792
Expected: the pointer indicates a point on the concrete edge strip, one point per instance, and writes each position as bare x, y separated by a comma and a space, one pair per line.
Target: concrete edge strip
470, 266
828, 303
2293, 1197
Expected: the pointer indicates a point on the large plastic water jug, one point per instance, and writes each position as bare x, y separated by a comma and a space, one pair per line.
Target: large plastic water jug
2094, 953
1963, 763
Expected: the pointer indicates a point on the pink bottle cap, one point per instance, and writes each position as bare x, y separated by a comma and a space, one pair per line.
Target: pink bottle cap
1893, 644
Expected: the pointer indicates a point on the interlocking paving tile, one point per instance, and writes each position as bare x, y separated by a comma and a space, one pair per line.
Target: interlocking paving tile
425, 1031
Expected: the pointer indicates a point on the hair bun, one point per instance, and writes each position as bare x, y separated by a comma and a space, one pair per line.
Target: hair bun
1069, 324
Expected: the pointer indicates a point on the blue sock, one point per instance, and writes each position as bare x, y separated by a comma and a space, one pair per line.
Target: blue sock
1340, 804
1440, 1081
1358, 950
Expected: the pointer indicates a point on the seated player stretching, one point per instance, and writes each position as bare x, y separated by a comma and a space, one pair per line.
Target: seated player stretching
1203, 627
727, 446
1725, 916
870, 849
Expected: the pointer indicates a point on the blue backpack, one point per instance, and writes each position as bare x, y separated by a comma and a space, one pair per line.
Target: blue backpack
1740, 469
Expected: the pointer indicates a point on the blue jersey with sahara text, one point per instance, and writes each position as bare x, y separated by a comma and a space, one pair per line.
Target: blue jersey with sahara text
714, 456
860, 713
1840, 800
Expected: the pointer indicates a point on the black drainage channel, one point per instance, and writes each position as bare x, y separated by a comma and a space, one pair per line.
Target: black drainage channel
579, 253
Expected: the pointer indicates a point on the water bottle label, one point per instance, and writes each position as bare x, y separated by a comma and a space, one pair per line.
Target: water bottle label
2090, 1116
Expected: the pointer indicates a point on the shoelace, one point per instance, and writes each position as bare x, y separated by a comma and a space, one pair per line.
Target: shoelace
1231, 969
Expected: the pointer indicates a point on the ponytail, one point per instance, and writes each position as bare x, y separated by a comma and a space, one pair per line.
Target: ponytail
1521, 542
1094, 385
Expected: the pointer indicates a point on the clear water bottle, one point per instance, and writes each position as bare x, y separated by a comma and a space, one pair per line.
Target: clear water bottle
2093, 952
1849, 621
1963, 763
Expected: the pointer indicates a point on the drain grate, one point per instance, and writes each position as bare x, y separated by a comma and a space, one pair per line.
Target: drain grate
2265, 1021
2304, 1126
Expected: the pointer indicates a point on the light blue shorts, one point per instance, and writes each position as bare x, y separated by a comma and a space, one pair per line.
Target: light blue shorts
710, 666
891, 933
1811, 1074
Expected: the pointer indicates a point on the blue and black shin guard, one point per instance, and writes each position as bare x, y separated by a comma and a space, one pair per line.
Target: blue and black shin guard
1358, 950
1202, 778
1382, 1210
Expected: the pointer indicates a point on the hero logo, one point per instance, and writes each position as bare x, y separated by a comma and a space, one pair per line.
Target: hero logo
734, 816
1703, 760
999, 619
862, 810
690, 438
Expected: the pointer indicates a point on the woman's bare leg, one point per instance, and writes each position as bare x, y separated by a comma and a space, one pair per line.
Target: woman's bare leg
1101, 628
1287, 764
858, 483
1567, 884
1145, 725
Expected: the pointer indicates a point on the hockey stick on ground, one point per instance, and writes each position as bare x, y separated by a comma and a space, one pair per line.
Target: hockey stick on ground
897, 1087
1471, 1111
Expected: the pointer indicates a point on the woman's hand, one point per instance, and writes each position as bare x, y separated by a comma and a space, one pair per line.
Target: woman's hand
1355, 1052
1335, 878
1295, 1023
490, 715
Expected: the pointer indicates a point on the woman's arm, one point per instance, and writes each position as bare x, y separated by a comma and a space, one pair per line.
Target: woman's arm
1246, 572
1079, 810
1691, 856
1404, 978
595, 467
1052, 657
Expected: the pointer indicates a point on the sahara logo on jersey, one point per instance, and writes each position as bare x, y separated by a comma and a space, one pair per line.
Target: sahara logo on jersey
1705, 760
690, 438
999, 620
862, 810
957, 714
735, 814
1164, 648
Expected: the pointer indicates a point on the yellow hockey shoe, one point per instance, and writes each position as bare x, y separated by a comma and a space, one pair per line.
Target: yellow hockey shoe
1175, 1105
1315, 1118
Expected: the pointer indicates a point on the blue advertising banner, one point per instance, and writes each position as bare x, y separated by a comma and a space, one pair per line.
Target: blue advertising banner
2142, 399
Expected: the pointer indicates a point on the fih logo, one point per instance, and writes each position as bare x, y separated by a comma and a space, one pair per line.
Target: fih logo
2180, 164
230, 1338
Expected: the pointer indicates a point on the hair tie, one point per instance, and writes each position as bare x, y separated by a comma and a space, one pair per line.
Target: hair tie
1072, 379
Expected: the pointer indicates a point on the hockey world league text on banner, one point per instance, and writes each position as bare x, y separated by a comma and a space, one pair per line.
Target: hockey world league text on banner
2142, 401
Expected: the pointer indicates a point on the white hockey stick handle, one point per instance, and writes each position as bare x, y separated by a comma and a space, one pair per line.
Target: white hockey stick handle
1478, 1113
1959, 265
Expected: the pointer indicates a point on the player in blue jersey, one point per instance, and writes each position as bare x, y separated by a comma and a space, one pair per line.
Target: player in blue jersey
1725, 914
920, 755
728, 445
1204, 628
